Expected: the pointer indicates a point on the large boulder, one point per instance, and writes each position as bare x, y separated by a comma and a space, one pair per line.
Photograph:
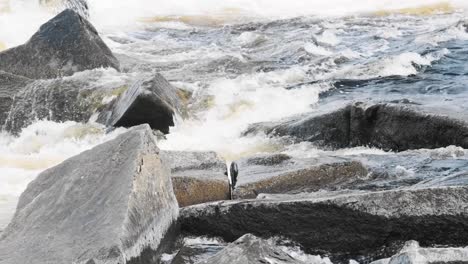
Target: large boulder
197, 177
153, 101
10, 84
66, 44
107, 205
280, 173
394, 127
358, 225
252, 250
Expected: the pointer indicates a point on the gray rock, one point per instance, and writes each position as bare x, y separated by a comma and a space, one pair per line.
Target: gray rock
109, 204
197, 177
279, 173
388, 126
358, 225
74, 98
10, 84
153, 101
252, 250
412, 253
66, 44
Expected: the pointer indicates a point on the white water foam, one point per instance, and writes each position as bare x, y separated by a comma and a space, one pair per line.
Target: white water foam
237, 103
24, 17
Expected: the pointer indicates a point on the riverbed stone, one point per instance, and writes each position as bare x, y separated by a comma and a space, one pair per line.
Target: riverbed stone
66, 44
344, 225
109, 204
197, 177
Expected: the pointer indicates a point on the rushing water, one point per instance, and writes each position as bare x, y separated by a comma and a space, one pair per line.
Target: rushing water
248, 61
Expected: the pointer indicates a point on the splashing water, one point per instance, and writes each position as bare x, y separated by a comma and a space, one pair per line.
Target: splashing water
248, 61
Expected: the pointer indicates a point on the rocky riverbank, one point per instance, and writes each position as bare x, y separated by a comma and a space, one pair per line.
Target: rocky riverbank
127, 201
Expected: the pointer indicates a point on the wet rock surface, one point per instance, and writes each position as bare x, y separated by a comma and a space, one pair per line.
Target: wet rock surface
152, 101
280, 173
197, 251
412, 253
107, 205
70, 99
66, 44
197, 177
363, 226
394, 127
249, 250
10, 84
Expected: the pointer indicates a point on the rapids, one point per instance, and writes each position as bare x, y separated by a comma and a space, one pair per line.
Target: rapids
247, 61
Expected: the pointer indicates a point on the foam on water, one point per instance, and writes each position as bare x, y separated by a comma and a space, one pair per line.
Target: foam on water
237, 103
232, 102
14, 13
38, 147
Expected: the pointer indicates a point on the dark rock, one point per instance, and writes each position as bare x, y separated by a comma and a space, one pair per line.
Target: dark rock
107, 205
361, 226
412, 253
399, 128
10, 84
251, 250
197, 177
66, 44
387, 126
153, 101
328, 129
279, 173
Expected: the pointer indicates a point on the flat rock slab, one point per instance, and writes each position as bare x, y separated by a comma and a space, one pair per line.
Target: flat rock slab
280, 173
394, 127
66, 44
252, 250
362, 226
153, 101
197, 177
106, 205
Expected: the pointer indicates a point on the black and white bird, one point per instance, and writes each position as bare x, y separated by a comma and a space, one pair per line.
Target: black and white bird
232, 173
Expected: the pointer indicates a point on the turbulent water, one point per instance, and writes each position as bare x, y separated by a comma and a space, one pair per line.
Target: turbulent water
247, 61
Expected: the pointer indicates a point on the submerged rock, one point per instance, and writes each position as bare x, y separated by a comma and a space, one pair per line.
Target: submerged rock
387, 126
10, 84
153, 101
195, 250
344, 225
252, 250
74, 98
106, 205
66, 44
279, 173
412, 253
197, 177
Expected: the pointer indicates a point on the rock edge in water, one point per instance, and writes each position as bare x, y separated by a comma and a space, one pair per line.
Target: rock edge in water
110, 204
386, 126
361, 226
66, 44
